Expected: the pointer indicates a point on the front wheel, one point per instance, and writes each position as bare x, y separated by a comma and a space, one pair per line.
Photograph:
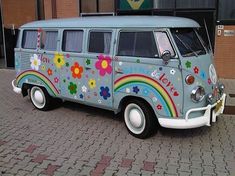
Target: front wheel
139, 119
40, 98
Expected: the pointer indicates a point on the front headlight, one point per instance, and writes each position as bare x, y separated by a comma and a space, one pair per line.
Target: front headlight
197, 94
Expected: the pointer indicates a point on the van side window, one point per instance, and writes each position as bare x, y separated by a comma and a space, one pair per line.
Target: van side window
49, 40
99, 42
29, 39
164, 43
72, 41
141, 44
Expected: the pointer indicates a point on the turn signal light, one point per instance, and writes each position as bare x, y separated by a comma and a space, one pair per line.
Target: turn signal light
189, 79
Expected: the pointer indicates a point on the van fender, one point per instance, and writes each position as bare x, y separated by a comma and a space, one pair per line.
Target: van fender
29, 78
147, 100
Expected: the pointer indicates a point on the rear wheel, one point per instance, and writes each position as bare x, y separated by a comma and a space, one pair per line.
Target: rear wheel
139, 119
40, 98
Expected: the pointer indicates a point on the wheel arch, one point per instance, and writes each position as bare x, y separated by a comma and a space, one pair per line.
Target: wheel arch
125, 99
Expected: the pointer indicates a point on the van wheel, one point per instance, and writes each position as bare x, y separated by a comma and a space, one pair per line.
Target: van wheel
40, 98
139, 119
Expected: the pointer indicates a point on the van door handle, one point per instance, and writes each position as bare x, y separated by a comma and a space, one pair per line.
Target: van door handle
87, 68
118, 71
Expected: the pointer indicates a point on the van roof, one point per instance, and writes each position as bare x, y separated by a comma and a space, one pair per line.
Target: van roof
115, 22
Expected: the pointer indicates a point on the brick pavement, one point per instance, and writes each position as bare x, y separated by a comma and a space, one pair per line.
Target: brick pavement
79, 140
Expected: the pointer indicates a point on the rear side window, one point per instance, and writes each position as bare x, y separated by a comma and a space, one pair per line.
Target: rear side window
99, 42
72, 41
141, 44
29, 39
49, 40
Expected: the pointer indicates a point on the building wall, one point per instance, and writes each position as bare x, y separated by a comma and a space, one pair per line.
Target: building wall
67, 8
225, 53
18, 12
64, 8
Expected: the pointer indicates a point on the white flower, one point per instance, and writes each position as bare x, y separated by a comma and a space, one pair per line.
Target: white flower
84, 89
120, 63
35, 62
172, 71
99, 101
154, 99
128, 90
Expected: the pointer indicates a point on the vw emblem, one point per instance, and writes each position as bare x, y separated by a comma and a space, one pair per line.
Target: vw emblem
212, 74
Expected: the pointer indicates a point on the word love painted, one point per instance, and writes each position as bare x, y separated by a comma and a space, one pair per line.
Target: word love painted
162, 77
168, 84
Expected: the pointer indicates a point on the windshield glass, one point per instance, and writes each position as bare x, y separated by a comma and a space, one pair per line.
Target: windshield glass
188, 42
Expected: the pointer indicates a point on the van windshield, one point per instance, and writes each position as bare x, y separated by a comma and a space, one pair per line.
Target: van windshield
188, 42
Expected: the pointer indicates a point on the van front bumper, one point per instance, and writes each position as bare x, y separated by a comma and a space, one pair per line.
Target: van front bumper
211, 111
15, 88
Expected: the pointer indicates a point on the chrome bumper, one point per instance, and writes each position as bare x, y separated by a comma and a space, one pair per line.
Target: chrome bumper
197, 121
15, 88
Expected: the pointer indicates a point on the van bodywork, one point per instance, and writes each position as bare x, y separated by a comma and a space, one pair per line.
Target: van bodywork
108, 80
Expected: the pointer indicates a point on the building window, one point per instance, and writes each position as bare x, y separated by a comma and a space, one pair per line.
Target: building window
72, 41
29, 39
140, 44
99, 42
49, 40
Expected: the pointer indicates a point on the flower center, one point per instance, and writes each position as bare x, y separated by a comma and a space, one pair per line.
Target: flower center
104, 64
76, 71
35, 62
59, 60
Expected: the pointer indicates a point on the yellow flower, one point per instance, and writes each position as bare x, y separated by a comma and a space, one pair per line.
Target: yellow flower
92, 83
43, 67
59, 60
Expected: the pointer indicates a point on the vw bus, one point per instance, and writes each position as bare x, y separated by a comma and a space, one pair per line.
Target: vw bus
155, 70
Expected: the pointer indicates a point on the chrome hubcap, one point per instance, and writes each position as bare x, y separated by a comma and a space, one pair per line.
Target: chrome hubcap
134, 118
38, 97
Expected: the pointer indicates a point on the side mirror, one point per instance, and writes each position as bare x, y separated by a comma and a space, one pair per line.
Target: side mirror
166, 55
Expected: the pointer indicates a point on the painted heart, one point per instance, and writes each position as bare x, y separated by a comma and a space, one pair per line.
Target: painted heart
176, 94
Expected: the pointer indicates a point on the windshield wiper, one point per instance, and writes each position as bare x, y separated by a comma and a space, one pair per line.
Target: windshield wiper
186, 46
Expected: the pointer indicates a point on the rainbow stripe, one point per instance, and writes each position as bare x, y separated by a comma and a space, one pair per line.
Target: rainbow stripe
153, 84
32, 74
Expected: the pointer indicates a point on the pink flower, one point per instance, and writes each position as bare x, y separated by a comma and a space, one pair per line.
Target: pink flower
56, 80
103, 65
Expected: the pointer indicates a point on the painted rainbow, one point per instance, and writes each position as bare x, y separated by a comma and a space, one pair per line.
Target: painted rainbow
137, 78
32, 73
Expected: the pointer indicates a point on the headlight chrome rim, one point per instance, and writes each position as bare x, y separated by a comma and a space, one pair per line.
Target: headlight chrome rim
194, 93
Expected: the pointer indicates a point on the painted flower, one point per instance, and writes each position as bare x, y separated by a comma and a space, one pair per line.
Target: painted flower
72, 88
128, 90
49, 72
145, 91
56, 79
76, 70
172, 71
84, 89
99, 101
35, 62
154, 99
203, 74
196, 70
81, 96
188, 64
103, 65
92, 83
209, 81
59, 60
159, 107
43, 67
104, 92
136, 89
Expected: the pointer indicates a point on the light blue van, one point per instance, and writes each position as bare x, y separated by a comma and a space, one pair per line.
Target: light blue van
155, 70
